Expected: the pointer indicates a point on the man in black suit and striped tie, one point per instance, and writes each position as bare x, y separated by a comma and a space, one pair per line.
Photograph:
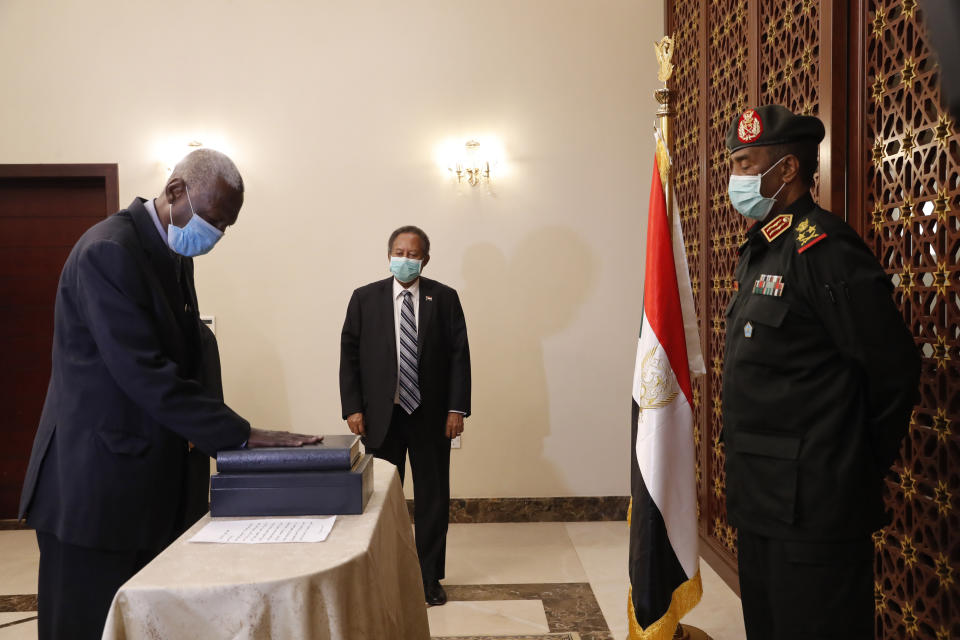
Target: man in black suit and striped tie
405, 385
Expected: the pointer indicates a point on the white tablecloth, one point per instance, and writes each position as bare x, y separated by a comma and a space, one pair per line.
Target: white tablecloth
362, 582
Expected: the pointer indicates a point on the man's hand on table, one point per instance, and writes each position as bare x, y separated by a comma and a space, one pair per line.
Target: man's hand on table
273, 438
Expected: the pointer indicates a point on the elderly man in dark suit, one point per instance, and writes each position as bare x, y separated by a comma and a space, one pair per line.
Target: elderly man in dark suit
133, 388
405, 385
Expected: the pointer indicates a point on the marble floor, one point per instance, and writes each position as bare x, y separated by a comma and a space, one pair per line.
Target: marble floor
521, 580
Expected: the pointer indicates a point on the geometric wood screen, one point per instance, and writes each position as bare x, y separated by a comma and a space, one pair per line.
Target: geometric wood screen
890, 164
710, 85
908, 167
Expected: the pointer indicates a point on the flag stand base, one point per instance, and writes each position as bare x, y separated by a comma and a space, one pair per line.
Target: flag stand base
686, 632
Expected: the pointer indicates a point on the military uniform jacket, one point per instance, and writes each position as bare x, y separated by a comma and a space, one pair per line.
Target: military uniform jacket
819, 380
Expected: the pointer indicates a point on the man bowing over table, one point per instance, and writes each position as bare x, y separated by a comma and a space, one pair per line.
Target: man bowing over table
134, 395
405, 385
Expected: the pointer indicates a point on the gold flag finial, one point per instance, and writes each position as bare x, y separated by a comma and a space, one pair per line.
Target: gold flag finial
664, 49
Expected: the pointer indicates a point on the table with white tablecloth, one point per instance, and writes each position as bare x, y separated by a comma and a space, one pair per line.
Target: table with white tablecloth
362, 582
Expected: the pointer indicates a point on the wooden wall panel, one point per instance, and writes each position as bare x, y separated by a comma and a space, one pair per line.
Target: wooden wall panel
726, 64
890, 165
908, 171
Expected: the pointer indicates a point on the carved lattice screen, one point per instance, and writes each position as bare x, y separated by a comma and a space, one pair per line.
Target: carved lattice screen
687, 178
910, 172
891, 164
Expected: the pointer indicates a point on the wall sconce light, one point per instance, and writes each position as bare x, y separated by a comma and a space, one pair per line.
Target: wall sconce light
173, 152
171, 148
472, 165
472, 160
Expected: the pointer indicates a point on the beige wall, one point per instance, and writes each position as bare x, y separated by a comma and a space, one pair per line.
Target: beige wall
332, 111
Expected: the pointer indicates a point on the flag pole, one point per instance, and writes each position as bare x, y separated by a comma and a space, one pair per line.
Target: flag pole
664, 95
664, 134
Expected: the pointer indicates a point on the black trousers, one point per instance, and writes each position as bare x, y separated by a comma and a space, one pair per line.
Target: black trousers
77, 585
810, 590
430, 463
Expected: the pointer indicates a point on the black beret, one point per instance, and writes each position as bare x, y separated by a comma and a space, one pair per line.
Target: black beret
772, 124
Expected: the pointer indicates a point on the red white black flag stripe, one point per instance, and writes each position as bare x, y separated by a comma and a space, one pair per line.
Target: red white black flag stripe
664, 565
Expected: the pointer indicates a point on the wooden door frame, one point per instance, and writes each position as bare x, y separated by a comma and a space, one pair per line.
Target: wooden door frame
109, 173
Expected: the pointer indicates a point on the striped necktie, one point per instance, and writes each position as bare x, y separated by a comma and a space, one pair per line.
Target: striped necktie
409, 379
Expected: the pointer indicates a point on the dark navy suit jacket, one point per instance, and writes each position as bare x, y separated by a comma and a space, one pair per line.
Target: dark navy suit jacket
109, 467
368, 357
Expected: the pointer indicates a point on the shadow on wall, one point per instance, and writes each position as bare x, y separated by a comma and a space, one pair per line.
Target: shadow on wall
515, 303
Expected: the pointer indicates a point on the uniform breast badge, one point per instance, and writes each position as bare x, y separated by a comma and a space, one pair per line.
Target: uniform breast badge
807, 235
748, 330
767, 285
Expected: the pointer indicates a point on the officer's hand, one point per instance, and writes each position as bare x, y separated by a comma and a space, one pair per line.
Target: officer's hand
454, 424
273, 438
356, 424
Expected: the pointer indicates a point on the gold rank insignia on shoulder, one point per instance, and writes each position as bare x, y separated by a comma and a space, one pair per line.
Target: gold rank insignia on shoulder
769, 285
807, 235
775, 228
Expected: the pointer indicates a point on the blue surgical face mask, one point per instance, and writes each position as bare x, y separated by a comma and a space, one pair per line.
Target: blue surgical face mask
745, 195
196, 237
405, 269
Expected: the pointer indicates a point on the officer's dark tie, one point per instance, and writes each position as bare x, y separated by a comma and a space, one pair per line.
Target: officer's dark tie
409, 383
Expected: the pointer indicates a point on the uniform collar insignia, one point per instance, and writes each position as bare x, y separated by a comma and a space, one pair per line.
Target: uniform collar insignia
807, 235
773, 229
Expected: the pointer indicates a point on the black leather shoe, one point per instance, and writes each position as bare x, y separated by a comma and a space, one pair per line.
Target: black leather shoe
435, 594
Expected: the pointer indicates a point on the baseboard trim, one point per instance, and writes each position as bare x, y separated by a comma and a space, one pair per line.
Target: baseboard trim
471, 510
584, 509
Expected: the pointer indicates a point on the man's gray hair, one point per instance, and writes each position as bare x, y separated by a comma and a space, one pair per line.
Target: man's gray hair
201, 168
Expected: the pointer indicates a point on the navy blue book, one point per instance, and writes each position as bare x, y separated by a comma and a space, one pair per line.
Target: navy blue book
301, 493
333, 453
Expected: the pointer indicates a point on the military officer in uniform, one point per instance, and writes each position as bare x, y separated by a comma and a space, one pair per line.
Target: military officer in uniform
819, 380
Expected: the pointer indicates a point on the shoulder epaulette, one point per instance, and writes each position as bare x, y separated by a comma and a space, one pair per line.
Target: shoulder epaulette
807, 235
776, 227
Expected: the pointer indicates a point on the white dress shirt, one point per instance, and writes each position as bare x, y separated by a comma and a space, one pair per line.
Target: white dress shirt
398, 290
152, 210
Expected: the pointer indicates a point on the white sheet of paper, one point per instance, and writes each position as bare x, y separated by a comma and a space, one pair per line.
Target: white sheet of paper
265, 530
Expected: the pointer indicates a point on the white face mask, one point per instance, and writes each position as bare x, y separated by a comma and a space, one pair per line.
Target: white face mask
744, 192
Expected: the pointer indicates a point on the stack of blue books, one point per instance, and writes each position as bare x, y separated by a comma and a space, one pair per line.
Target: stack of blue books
327, 478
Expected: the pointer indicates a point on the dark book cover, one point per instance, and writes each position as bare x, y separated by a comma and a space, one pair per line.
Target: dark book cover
338, 452
303, 493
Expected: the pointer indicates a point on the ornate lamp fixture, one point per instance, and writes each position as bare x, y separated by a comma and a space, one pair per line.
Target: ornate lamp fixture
472, 165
